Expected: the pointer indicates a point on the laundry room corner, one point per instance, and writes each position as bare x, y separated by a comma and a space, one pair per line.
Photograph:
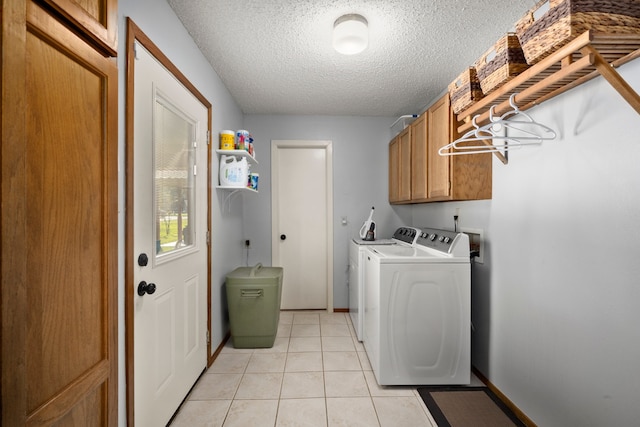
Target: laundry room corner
359, 182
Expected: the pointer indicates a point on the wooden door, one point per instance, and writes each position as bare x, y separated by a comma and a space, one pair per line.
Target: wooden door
439, 116
302, 212
404, 190
419, 158
97, 19
59, 224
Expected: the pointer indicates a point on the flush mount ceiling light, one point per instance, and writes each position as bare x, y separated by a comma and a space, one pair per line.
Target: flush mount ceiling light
350, 34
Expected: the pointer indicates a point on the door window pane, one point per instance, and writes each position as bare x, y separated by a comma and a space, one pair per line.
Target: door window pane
174, 183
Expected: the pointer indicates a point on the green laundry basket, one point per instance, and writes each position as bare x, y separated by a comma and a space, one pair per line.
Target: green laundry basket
253, 297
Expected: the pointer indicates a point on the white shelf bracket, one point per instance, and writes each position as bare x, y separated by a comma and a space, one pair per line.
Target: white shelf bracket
227, 200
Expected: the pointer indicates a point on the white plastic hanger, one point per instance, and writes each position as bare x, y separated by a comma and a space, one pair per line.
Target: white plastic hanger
521, 130
485, 136
513, 134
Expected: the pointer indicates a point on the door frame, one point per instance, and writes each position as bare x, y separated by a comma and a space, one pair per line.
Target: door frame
275, 199
135, 34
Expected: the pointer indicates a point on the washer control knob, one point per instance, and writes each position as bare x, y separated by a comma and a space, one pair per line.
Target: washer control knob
447, 240
441, 239
433, 237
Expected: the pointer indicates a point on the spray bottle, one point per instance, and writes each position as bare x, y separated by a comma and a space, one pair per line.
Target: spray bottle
367, 232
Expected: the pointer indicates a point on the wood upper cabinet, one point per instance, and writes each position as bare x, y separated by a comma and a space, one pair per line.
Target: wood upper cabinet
440, 178
438, 135
404, 192
96, 19
394, 170
400, 167
419, 181
469, 176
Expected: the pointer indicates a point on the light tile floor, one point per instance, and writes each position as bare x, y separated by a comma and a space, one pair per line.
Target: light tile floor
316, 374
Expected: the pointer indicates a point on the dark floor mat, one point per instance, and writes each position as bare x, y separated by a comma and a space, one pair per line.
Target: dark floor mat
467, 407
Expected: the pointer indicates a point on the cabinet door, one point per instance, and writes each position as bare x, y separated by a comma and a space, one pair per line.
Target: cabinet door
419, 158
97, 19
394, 170
404, 191
59, 226
439, 116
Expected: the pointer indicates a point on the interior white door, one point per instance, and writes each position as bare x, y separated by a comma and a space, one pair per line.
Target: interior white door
302, 231
169, 240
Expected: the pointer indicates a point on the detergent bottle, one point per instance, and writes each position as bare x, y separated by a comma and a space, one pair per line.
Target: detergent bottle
233, 172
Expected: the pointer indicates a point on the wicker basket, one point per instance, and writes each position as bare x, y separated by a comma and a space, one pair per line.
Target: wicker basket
465, 90
553, 23
501, 63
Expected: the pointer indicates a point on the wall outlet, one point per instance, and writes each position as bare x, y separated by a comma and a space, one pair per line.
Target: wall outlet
476, 242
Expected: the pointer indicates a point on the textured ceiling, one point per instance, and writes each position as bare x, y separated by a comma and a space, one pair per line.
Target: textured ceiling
275, 56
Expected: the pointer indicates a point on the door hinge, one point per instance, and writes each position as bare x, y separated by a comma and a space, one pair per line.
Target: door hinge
208, 337
208, 237
208, 137
195, 170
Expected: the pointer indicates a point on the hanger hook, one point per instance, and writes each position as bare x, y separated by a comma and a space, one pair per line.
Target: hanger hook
512, 102
475, 124
492, 117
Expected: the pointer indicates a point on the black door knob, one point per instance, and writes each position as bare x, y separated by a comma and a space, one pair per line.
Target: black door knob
283, 237
146, 288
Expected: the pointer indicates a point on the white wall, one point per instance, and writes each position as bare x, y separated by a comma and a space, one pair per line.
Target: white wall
556, 305
157, 20
360, 172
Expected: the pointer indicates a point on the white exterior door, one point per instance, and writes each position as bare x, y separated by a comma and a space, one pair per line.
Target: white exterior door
302, 212
169, 240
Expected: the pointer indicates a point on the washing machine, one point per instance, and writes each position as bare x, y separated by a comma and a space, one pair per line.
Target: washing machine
417, 310
357, 248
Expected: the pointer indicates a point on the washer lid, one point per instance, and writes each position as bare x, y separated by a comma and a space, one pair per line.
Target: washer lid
374, 242
396, 251
411, 254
